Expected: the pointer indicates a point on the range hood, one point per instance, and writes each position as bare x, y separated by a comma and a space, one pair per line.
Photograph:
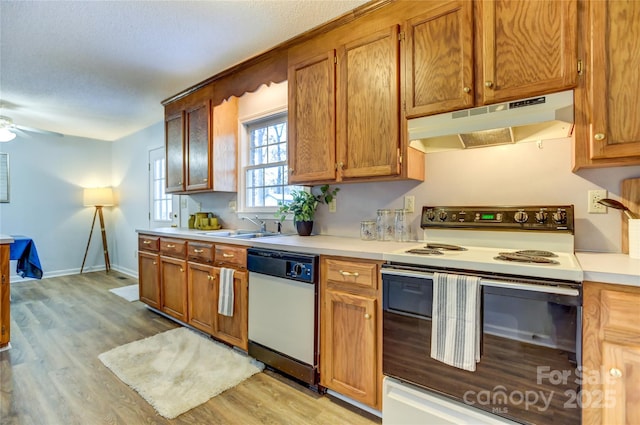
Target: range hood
532, 119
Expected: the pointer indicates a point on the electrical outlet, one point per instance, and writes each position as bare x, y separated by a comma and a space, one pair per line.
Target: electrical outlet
333, 206
409, 203
594, 207
232, 206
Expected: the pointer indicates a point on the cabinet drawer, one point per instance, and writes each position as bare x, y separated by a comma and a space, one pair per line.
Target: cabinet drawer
620, 311
361, 274
200, 252
230, 255
173, 247
148, 243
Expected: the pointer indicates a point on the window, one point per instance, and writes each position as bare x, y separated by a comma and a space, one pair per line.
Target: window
265, 168
161, 204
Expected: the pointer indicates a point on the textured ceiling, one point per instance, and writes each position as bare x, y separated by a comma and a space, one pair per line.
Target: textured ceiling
100, 69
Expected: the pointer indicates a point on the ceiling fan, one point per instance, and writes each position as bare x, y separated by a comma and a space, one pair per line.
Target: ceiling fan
8, 129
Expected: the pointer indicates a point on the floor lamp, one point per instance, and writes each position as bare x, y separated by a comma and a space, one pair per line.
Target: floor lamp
98, 197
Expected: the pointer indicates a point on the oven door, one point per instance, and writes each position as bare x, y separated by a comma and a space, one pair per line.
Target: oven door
528, 370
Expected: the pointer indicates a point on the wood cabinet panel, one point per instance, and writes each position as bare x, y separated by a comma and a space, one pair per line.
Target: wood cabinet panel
173, 247
173, 280
231, 256
527, 48
174, 151
606, 132
349, 368
611, 354
198, 153
201, 296
5, 290
362, 275
148, 243
200, 252
233, 329
149, 278
225, 146
368, 106
312, 125
439, 60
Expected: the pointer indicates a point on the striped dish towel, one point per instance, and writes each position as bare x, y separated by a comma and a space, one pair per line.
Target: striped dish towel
455, 325
225, 293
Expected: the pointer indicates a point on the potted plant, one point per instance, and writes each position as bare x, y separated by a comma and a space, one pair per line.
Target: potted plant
303, 207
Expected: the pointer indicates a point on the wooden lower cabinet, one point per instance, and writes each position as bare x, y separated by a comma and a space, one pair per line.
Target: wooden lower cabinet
233, 329
149, 278
201, 296
611, 354
351, 329
5, 317
173, 285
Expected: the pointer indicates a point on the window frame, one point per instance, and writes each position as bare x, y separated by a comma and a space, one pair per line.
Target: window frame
244, 125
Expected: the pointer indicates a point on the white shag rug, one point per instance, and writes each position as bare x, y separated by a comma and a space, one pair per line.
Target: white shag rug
177, 370
129, 293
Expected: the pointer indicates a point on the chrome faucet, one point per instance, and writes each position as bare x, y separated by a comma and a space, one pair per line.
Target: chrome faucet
260, 223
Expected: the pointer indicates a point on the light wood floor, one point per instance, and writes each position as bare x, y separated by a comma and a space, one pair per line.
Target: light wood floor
52, 374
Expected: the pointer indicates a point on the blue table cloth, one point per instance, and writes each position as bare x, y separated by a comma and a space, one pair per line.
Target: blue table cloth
24, 250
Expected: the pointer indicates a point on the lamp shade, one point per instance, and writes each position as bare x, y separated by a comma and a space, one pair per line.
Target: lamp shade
98, 196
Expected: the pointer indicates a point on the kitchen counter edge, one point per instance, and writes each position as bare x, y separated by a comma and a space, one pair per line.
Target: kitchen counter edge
612, 268
315, 244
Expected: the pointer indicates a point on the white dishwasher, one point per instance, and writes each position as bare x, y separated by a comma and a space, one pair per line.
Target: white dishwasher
283, 311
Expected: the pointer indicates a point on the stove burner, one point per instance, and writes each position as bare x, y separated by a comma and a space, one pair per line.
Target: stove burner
424, 251
536, 253
445, 247
521, 258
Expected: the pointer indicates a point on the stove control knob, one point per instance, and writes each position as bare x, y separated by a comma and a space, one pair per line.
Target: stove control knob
430, 214
560, 217
442, 215
541, 216
521, 217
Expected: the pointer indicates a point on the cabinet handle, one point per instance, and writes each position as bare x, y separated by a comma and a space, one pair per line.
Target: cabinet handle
205, 180
146, 242
488, 84
466, 89
181, 270
170, 245
290, 170
225, 255
209, 277
615, 372
154, 263
367, 316
599, 136
198, 251
344, 273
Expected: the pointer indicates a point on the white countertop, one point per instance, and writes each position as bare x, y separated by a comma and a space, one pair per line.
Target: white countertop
610, 268
597, 267
5, 239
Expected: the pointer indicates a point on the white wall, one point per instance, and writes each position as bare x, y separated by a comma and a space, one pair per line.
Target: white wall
47, 177
130, 178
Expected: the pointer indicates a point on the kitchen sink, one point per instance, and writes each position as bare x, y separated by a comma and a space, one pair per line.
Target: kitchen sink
240, 234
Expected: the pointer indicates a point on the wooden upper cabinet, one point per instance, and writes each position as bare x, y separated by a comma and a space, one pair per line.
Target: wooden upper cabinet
225, 146
369, 106
526, 47
198, 154
607, 131
312, 125
174, 150
439, 60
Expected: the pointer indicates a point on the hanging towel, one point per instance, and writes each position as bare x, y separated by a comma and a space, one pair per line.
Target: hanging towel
455, 325
225, 294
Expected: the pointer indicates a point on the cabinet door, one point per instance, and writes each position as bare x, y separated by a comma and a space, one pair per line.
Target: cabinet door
201, 297
312, 126
174, 132
197, 125
5, 316
173, 282
233, 329
225, 146
621, 375
439, 60
615, 58
368, 106
347, 367
149, 278
527, 48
